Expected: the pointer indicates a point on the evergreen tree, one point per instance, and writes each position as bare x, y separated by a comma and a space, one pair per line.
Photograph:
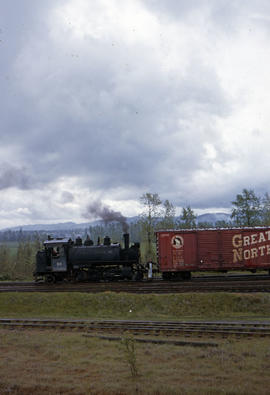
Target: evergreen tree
5, 261
247, 210
205, 225
223, 224
187, 219
37, 244
266, 209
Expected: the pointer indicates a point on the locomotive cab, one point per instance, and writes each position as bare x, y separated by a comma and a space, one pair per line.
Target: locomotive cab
51, 263
57, 254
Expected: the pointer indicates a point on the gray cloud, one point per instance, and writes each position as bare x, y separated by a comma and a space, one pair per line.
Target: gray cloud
115, 106
111, 129
11, 176
223, 10
67, 197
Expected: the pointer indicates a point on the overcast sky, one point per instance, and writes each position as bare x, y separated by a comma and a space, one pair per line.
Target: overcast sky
108, 99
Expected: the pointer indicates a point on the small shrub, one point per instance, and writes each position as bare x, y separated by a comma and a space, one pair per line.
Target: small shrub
129, 351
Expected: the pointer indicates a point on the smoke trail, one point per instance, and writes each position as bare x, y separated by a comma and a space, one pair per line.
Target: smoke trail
99, 210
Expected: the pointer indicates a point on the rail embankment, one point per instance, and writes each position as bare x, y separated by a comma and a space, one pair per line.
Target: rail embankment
112, 305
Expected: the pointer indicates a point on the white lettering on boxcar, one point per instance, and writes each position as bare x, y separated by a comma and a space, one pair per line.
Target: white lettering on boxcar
239, 241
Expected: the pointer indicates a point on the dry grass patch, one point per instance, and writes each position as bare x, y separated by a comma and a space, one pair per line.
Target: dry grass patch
52, 362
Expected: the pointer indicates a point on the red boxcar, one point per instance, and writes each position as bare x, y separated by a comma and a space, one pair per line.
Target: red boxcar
182, 251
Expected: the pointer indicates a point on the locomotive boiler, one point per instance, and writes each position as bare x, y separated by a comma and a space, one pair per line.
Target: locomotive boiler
63, 259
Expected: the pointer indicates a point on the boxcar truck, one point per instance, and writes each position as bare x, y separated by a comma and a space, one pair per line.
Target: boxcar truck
181, 252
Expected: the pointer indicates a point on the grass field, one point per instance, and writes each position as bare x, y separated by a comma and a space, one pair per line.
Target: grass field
136, 306
55, 362
52, 362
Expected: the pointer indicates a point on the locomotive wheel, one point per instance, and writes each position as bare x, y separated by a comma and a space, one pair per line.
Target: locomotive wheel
138, 276
50, 279
81, 276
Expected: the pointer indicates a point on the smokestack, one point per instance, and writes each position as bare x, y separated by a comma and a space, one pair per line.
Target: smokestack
126, 240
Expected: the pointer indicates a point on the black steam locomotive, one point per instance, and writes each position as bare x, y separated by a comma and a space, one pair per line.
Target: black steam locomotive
63, 259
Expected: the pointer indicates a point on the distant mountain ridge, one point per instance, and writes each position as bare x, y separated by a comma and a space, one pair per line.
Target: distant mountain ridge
211, 218
63, 225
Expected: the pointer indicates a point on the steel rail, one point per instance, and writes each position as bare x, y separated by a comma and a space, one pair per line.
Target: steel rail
170, 328
198, 278
143, 287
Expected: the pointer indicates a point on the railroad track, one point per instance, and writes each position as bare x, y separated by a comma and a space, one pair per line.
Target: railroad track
168, 328
260, 284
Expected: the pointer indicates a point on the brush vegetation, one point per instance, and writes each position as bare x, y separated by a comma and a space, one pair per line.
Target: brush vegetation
112, 305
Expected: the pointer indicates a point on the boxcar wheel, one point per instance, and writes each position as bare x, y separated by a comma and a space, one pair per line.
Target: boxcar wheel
187, 275
166, 275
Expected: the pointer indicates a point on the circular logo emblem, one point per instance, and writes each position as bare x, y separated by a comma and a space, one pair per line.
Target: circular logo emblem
177, 241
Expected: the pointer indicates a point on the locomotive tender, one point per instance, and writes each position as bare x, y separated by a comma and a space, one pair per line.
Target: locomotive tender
181, 252
62, 259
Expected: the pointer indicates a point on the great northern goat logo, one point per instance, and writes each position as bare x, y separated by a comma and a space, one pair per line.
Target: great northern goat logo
177, 241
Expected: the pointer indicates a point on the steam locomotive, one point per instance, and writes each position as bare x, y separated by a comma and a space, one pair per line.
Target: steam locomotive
64, 259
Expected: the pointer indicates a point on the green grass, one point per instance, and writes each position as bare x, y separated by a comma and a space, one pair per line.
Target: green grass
132, 306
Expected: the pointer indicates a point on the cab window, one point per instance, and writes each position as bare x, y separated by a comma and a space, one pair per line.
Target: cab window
57, 252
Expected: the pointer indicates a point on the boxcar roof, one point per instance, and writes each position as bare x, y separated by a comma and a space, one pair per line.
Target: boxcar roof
214, 229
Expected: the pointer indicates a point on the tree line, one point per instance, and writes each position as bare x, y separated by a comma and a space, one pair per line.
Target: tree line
17, 260
248, 209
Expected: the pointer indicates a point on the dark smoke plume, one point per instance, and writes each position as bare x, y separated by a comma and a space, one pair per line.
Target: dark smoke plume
99, 210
